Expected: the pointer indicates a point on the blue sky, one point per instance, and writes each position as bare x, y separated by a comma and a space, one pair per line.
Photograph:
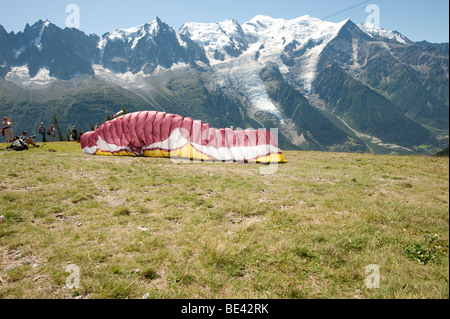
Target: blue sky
416, 19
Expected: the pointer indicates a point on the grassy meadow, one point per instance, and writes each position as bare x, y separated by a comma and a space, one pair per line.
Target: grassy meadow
148, 226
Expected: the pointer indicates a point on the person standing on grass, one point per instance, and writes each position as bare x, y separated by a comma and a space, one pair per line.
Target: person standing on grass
52, 133
43, 132
7, 129
74, 136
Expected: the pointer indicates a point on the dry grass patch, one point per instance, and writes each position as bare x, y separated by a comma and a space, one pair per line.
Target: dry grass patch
222, 230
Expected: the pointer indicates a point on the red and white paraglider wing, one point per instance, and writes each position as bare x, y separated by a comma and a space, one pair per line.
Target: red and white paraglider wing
159, 134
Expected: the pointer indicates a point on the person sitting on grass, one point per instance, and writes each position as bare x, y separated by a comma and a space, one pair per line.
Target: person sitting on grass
29, 140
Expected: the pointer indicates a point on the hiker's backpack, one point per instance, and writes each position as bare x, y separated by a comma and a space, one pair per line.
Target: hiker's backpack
18, 145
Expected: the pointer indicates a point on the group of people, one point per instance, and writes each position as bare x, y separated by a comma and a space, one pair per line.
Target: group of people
8, 133
51, 132
75, 136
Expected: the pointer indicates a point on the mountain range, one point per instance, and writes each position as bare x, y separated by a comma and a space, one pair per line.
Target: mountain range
325, 86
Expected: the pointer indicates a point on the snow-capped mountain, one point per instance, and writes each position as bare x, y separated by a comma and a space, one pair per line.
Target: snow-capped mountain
64, 53
222, 40
238, 53
146, 47
328, 86
373, 30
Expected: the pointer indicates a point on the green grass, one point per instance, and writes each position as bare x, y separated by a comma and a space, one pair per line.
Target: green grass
212, 230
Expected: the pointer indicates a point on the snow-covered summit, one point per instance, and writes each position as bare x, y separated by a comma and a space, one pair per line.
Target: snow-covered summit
274, 38
373, 30
228, 39
301, 28
130, 35
146, 48
220, 40
274, 34
238, 53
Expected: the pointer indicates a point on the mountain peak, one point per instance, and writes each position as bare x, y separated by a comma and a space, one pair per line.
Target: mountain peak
264, 21
231, 20
231, 23
42, 24
133, 33
373, 30
162, 25
37, 26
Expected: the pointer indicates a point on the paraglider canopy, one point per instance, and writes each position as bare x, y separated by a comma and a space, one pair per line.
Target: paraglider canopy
160, 134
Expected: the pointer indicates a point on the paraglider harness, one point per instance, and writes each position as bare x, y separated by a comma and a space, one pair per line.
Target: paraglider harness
18, 145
